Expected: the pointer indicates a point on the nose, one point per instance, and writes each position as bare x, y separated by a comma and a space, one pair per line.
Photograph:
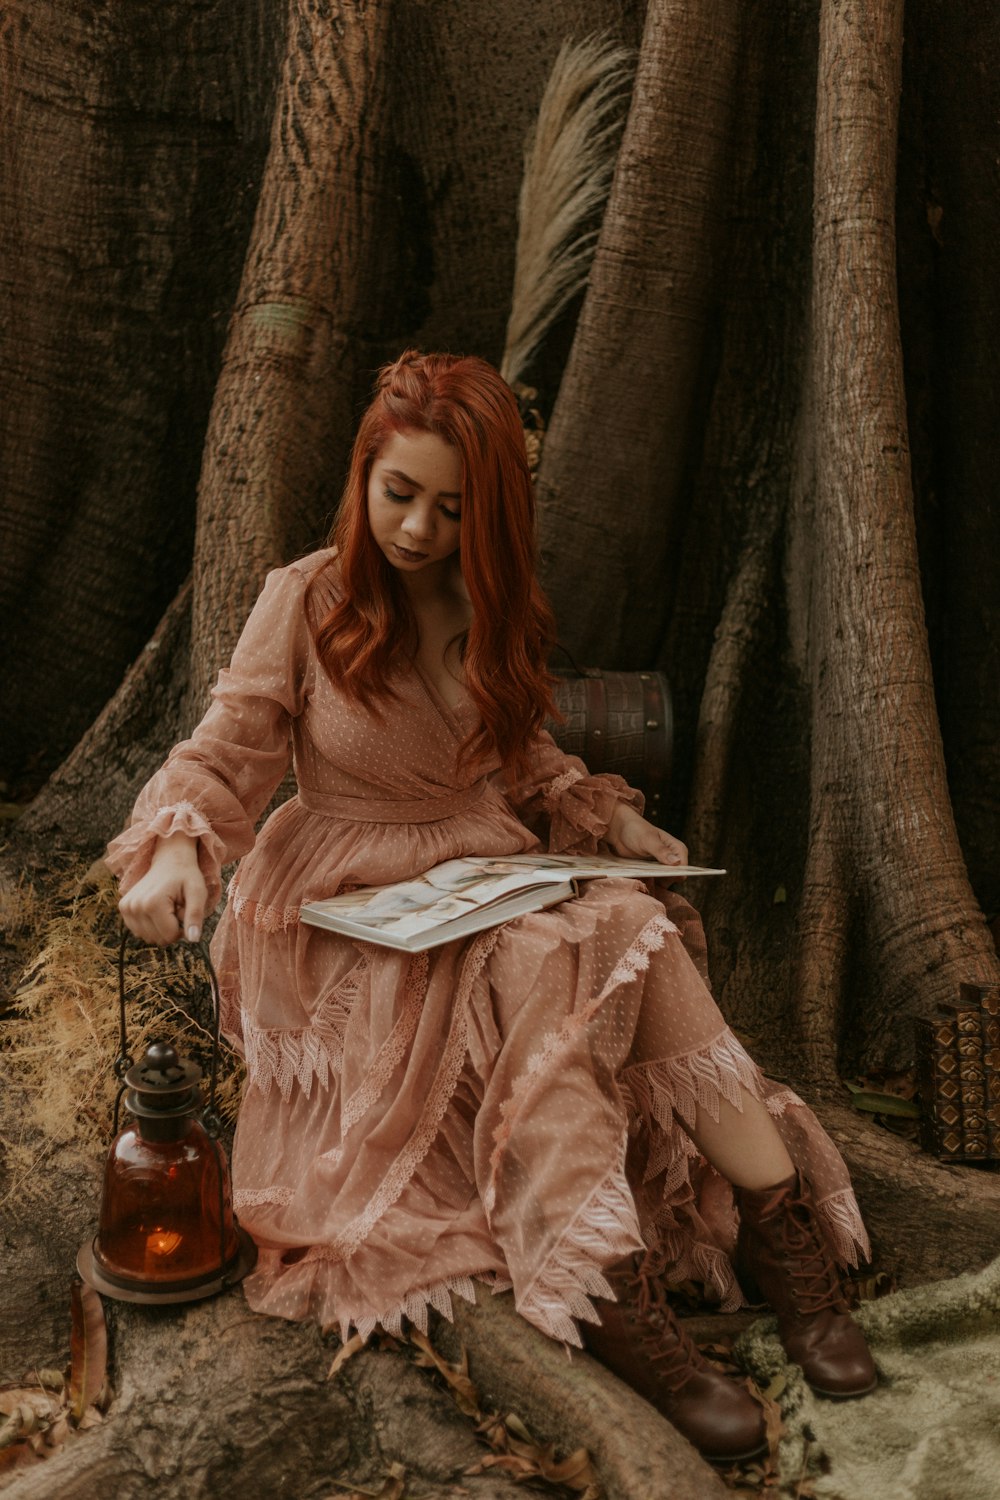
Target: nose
418, 523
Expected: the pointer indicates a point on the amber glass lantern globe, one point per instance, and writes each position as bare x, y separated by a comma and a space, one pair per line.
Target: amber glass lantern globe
167, 1232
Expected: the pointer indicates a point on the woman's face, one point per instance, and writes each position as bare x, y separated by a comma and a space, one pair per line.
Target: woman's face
414, 501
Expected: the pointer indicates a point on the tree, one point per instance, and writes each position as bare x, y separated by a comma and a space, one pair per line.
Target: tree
767, 467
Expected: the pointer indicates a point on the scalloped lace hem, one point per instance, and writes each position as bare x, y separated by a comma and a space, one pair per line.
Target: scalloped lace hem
604, 1230
845, 1227
414, 1307
679, 1085
286, 1056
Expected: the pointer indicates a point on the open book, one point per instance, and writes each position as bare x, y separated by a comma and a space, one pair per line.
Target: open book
463, 896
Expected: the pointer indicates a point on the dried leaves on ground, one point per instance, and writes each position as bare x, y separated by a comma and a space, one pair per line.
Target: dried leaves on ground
50, 1407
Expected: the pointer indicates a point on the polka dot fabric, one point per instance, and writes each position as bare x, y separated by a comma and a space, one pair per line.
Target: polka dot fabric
509, 1107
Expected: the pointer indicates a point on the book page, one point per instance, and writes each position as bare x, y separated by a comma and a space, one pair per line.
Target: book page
460, 887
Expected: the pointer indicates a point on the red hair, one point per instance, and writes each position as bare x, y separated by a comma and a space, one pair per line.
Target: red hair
465, 402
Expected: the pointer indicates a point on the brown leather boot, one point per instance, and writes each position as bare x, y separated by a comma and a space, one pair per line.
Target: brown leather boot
782, 1245
640, 1340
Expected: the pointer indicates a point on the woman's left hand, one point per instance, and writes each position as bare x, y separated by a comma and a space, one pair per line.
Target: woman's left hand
631, 836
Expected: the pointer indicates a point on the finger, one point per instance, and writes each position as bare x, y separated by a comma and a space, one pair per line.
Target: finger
660, 846
194, 897
151, 926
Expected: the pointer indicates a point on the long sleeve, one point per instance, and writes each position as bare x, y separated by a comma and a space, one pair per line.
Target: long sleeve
562, 803
215, 785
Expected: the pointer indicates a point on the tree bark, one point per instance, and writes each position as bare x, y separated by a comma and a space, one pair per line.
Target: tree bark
131, 145
283, 413
619, 446
883, 853
122, 747
949, 222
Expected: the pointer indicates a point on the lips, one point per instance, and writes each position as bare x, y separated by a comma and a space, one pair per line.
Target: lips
406, 554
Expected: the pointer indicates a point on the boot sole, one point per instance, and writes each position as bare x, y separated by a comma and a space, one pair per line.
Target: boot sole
842, 1395
734, 1458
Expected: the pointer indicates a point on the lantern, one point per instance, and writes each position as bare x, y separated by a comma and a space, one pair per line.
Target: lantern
166, 1232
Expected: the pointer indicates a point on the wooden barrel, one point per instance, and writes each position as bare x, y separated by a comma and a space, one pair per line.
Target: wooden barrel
621, 722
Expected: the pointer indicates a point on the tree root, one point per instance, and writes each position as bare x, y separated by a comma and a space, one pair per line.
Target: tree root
575, 1403
927, 1219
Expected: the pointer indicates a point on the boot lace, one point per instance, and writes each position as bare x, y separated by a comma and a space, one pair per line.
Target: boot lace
660, 1336
815, 1284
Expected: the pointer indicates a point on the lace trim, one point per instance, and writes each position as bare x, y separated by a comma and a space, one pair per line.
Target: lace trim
604, 1230
413, 1306
439, 1094
675, 1253
633, 962
778, 1103
249, 1197
290, 1055
842, 1220
264, 918
393, 1049
555, 788
722, 1069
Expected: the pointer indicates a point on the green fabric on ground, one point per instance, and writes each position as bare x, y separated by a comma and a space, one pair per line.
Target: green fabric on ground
932, 1429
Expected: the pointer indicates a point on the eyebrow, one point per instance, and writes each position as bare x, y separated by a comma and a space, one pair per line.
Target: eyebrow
405, 479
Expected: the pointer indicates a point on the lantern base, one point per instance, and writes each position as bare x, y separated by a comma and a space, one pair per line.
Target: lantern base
193, 1290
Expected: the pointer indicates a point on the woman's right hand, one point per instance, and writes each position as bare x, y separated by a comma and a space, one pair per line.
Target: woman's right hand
169, 901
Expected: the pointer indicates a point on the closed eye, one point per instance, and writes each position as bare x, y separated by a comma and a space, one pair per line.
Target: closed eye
399, 499
453, 515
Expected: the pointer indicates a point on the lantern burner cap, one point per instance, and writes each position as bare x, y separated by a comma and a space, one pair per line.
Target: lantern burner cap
161, 1067
162, 1084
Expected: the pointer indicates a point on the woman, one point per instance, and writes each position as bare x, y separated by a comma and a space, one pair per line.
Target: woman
540, 1105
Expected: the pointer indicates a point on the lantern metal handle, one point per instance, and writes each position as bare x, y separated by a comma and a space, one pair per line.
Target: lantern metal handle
125, 1060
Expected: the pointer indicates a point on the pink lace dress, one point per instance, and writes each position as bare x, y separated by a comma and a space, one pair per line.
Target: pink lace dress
507, 1107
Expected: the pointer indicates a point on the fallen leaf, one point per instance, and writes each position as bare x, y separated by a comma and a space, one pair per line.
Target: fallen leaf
88, 1348
457, 1376
28, 1404
343, 1354
17, 1456
877, 1102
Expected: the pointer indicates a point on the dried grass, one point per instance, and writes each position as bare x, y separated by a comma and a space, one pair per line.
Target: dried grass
61, 1037
568, 166
22, 909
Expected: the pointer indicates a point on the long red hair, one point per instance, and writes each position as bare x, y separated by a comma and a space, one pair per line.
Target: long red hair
464, 401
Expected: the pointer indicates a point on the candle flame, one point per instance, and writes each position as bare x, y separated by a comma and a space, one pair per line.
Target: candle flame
162, 1242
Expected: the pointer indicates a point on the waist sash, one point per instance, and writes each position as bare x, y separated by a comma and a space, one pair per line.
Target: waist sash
392, 809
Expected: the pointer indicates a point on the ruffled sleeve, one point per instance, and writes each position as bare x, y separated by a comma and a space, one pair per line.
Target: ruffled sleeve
215, 785
563, 804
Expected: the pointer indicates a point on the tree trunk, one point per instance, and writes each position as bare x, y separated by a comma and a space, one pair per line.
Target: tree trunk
284, 407
619, 447
884, 857
132, 143
949, 222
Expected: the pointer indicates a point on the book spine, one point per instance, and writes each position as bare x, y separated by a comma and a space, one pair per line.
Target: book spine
971, 1082
988, 996
938, 1082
